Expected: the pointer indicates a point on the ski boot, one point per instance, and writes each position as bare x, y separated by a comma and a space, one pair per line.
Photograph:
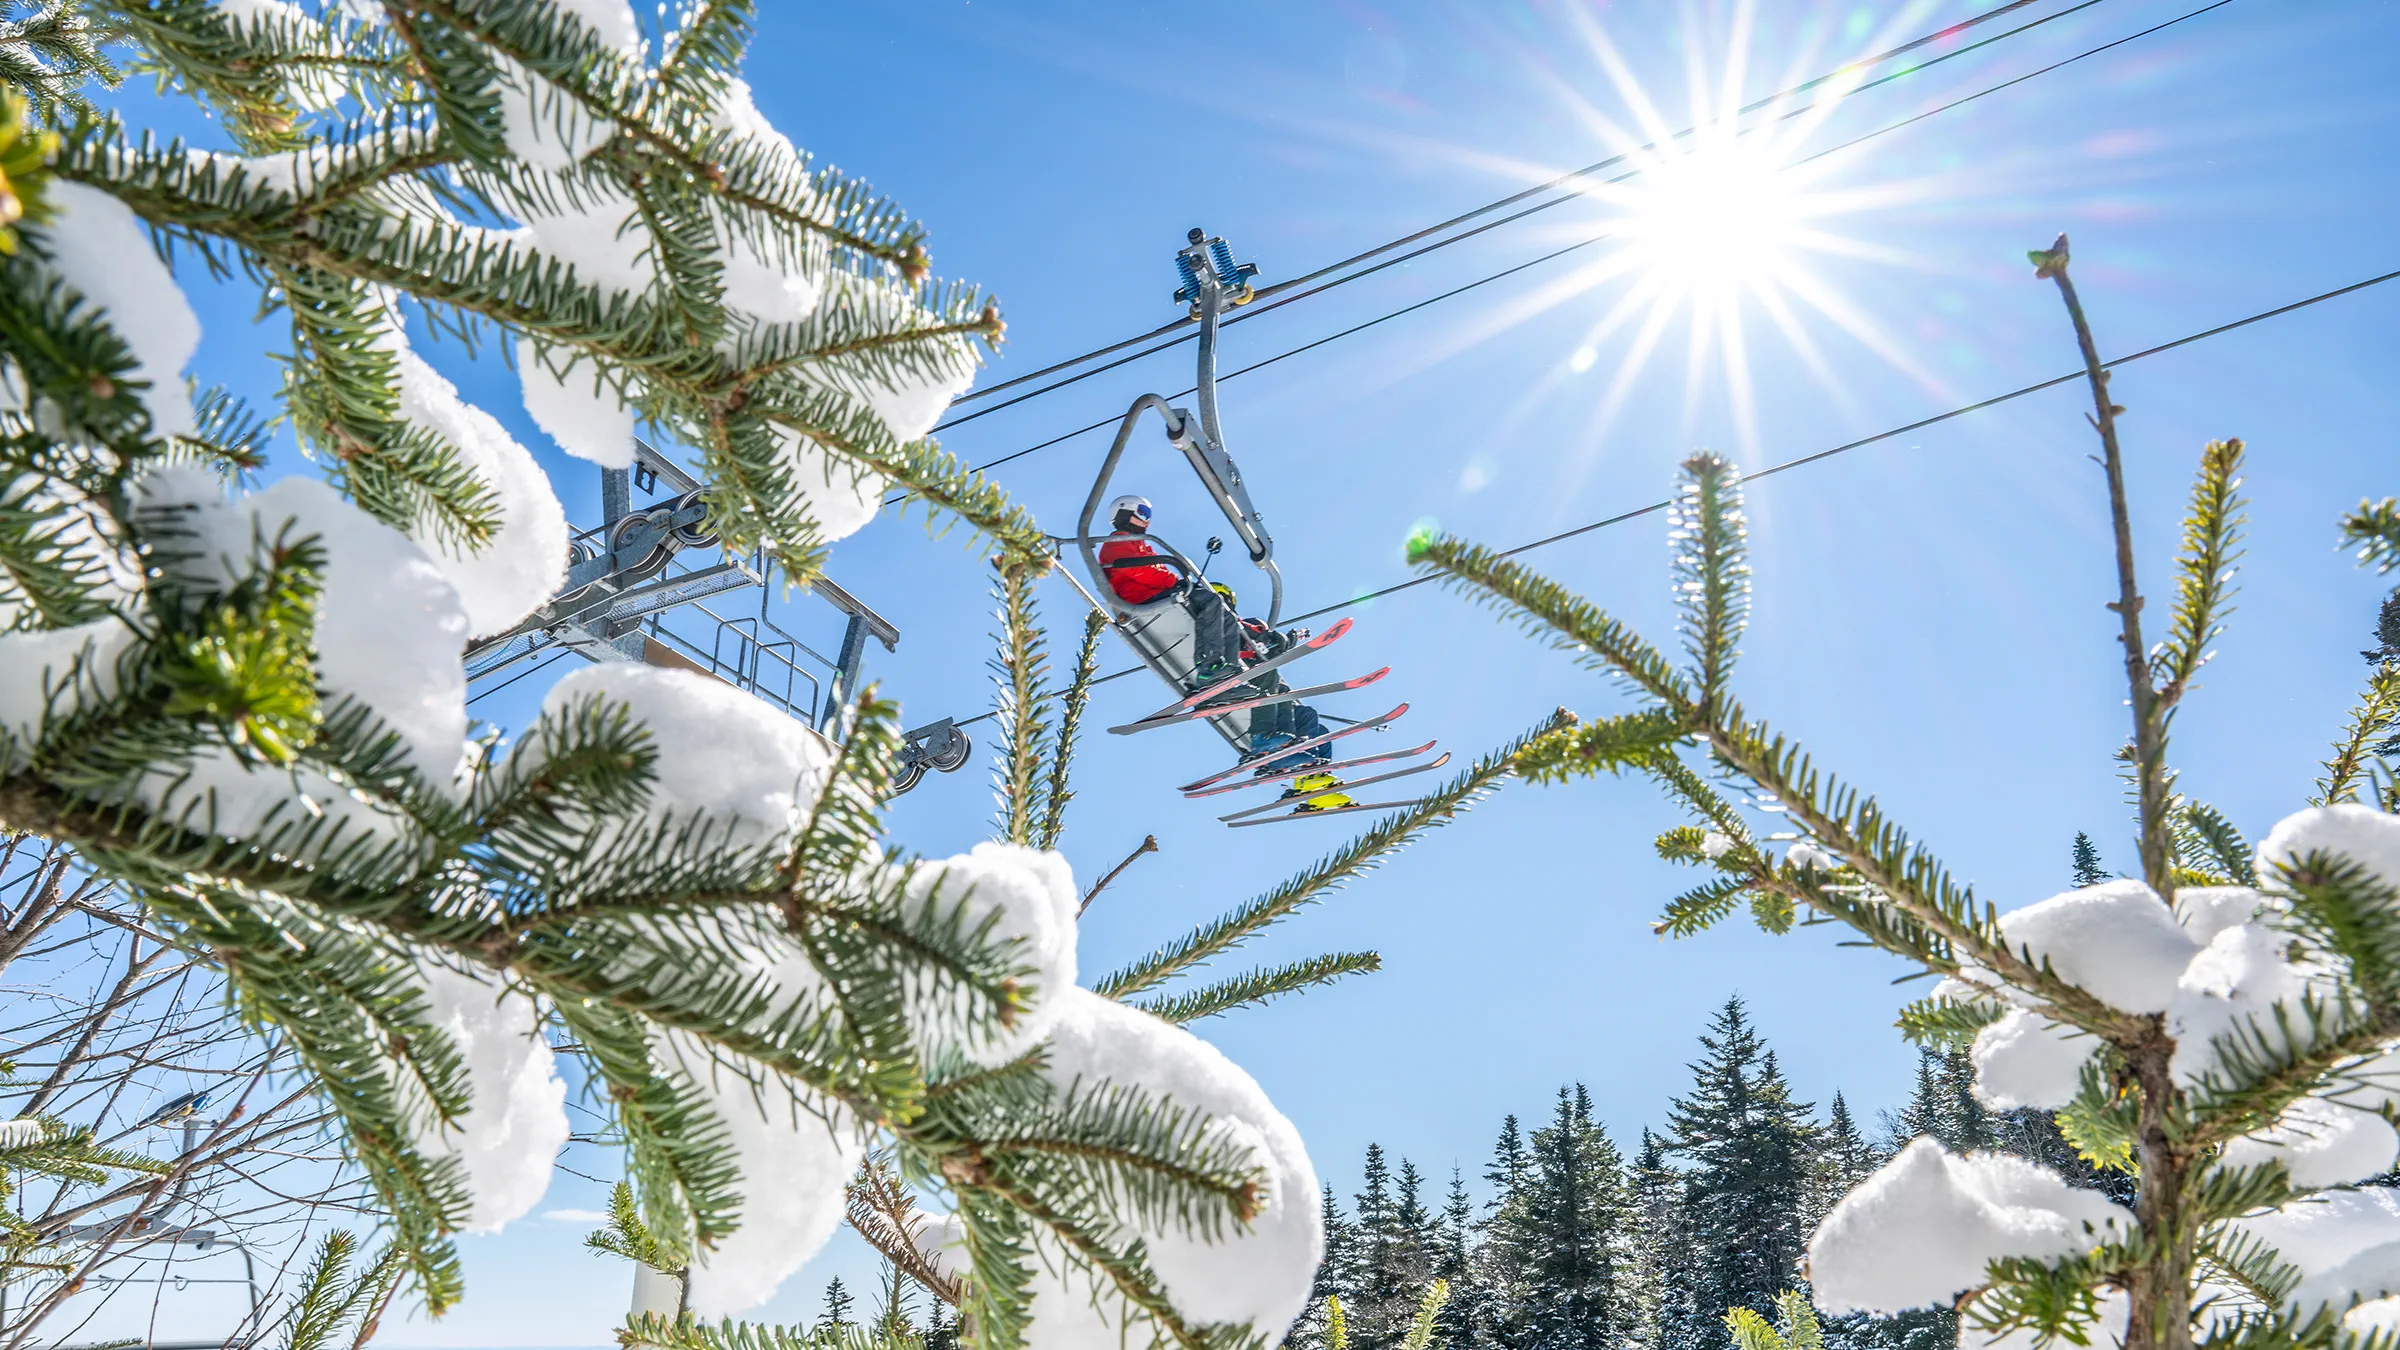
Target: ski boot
1318, 792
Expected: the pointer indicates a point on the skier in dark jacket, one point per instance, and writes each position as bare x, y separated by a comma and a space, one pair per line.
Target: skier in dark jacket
1216, 632
1278, 724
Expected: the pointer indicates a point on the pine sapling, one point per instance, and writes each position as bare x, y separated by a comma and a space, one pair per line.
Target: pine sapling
2216, 1028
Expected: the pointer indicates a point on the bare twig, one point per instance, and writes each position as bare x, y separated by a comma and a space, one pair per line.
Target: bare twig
1149, 844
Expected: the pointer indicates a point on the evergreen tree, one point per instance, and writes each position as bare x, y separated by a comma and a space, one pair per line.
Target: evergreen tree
1844, 1158
1336, 1273
1507, 1171
1382, 1290
1456, 1266
2211, 1184
2085, 862
297, 800
1662, 1308
1506, 1280
1567, 1225
1925, 1115
1416, 1226
1967, 1124
838, 1303
1750, 1151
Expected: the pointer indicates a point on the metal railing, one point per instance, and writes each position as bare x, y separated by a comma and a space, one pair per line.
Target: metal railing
631, 595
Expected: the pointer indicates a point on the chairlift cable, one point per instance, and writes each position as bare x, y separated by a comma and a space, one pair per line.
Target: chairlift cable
1789, 464
1181, 326
1561, 252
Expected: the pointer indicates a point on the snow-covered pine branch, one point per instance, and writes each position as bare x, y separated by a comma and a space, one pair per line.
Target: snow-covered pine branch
2225, 1027
248, 706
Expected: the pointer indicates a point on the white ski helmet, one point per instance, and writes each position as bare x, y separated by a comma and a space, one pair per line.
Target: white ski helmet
1130, 505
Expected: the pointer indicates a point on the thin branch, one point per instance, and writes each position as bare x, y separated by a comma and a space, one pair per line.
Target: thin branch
1149, 844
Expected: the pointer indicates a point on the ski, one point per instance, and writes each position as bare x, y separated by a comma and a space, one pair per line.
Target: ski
1282, 774
1341, 787
1287, 696
1331, 811
1263, 756
1288, 655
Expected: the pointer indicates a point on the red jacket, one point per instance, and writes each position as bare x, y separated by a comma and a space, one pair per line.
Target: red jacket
1135, 585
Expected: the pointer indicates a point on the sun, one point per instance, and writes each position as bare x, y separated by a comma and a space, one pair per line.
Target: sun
1725, 218
1721, 219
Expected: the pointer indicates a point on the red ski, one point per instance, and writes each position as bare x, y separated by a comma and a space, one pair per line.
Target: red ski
1329, 811
1247, 761
1291, 794
1306, 768
1257, 668
1287, 696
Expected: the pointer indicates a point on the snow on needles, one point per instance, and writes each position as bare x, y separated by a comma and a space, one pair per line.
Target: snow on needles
1923, 1228
47, 673
1259, 1275
2117, 940
522, 564
794, 1153
2321, 1141
2361, 834
579, 410
516, 1121
389, 628
1024, 895
98, 246
721, 753
2025, 1059
2235, 982
2346, 1246
540, 123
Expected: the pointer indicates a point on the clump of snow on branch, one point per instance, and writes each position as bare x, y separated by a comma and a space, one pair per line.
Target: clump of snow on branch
2118, 941
540, 123
389, 628
723, 754
1259, 1275
759, 283
96, 245
1804, 854
841, 496
2025, 1059
2205, 911
2361, 834
794, 1152
516, 1122
579, 410
1921, 1230
47, 673
2346, 1246
518, 568
1026, 896
2322, 1142
2106, 1332
2236, 982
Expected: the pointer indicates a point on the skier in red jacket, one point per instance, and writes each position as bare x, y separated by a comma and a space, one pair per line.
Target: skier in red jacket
1216, 633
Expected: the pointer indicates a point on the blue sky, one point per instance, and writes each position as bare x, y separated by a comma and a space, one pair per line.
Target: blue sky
1928, 609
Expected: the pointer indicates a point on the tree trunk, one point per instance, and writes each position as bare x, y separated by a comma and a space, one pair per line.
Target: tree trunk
2161, 1292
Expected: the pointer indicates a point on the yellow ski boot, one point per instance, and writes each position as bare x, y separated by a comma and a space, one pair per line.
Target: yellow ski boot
1321, 791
